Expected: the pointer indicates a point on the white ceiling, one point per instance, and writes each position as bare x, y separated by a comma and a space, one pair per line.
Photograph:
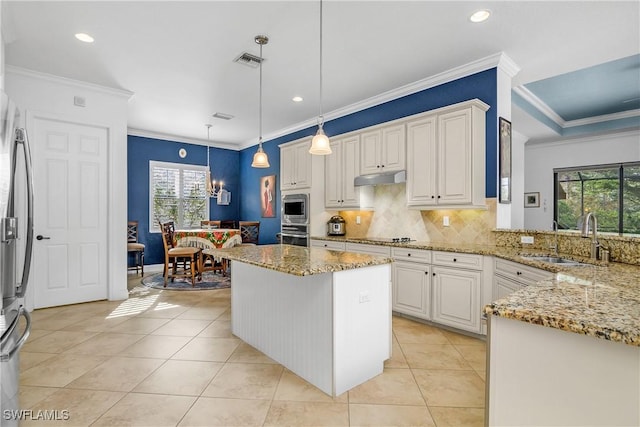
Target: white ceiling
177, 57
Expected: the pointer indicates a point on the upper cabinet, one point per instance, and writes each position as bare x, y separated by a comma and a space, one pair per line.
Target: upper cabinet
383, 149
295, 166
341, 167
446, 158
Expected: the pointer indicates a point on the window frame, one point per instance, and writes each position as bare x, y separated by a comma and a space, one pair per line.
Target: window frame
181, 167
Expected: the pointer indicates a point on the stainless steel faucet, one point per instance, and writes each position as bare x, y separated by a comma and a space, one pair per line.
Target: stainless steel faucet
591, 217
555, 235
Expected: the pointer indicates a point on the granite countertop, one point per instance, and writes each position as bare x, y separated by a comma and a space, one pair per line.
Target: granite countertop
598, 300
300, 261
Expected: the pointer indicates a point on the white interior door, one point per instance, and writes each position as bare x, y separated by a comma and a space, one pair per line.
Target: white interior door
70, 218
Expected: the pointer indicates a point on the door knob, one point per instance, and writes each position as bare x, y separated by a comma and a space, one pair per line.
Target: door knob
41, 237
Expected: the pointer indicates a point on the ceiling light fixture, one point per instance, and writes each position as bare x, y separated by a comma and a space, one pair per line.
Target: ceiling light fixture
320, 143
210, 187
260, 159
84, 37
297, 99
480, 16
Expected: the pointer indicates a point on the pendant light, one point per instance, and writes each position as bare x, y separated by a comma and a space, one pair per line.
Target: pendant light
260, 159
320, 143
211, 188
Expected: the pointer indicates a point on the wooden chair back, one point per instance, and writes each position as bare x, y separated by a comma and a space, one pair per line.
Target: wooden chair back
250, 231
168, 231
132, 232
210, 224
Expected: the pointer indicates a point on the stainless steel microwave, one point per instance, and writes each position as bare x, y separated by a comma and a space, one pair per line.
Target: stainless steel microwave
295, 209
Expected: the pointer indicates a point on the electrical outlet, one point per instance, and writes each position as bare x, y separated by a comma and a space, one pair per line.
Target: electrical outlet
445, 221
357, 219
364, 297
526, 239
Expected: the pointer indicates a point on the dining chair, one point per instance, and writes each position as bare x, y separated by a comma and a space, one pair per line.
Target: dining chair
134, 247
210, 224
250, 232
173, 255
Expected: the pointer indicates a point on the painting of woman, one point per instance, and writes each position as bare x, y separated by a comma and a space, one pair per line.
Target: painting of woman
267, 187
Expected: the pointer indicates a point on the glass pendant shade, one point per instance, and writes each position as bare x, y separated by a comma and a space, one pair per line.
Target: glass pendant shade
320, 143
260, 159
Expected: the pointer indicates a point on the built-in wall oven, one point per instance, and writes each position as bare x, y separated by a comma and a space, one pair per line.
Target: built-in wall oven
295, 220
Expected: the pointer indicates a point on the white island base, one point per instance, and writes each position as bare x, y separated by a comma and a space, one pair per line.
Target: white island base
541, 376
332, 329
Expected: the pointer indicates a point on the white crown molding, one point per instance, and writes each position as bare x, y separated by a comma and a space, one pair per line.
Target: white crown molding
176, 138
600, 137
603, 118
68, 82
499, 59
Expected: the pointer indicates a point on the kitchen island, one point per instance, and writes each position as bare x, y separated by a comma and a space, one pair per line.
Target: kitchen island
325, 315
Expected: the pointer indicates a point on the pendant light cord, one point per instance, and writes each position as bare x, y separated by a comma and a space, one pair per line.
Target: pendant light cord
260, 109
321, 118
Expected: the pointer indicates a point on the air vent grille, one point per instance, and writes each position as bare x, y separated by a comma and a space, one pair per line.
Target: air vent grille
223, 116
249, 60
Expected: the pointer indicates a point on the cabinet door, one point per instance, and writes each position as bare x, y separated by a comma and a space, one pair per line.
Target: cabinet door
454, 153
370, 152
350, 169
287, 168
393, 148
456, 297
421, 162
411, 289
333, 176
302, 166
503, 287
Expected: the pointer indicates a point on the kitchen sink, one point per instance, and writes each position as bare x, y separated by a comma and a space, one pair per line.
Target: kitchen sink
555, 260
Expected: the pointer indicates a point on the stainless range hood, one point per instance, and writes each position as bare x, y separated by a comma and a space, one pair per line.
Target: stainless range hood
381, 178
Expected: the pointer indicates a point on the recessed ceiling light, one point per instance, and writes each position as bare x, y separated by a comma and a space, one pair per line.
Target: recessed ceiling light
84, 37
480, 15
297, 99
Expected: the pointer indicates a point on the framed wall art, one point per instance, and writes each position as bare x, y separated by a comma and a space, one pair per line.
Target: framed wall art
504, 166
531, 200
268, 196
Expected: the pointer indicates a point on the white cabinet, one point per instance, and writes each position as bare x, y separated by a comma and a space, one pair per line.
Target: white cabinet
509, 276
383, 149
411, 282
457, 291
446, 157
328, 244
368, 249
295, 166
341, 167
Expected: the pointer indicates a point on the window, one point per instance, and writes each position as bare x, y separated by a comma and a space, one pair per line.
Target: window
612, 192
177, 193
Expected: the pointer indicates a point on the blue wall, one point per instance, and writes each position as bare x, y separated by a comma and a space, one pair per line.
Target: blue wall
225, 167
481, 85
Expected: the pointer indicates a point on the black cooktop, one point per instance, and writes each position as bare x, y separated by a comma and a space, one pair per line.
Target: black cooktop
390, 239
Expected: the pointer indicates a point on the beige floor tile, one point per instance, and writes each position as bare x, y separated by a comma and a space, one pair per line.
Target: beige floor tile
245, 381
393, 386
60, 370
482, 374
284, 413
451, 388
37, 333
244, 353
145, 410
417, 333
65, 319
96, 324
82, 407
217, 329
225, 316
30, 395
57, 342
44, 313
146, 304
475, 355
29, 360
456, 338
456, 417
210, 412
117, 374
163, 310
397, 359
389, 415
156, 347
182, 327
208, 349
105, 344
203, 313
139, 325
293, 388
180, 377
434, 356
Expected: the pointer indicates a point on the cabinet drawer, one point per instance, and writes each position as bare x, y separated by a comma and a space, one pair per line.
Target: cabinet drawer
328, 244
411, 255
454, 259
368, 249
520, 273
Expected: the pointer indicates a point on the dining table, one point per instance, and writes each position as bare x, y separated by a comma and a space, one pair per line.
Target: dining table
209, 240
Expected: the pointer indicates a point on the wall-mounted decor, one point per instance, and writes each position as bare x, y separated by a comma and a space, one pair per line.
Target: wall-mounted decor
505, 161
182, 153
268, 196
531, 200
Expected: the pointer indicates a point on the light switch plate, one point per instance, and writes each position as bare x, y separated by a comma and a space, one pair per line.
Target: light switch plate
526, 239
445, 221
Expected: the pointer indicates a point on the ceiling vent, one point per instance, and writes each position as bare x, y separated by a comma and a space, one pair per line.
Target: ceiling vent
249, 60
223, 116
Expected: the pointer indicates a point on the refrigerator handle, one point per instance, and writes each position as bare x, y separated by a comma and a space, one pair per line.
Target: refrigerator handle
18, 345
21, 138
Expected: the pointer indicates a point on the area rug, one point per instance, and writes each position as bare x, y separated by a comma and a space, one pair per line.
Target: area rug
210, 280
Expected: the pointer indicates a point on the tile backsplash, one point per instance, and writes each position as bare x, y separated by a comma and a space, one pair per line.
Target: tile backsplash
391, 218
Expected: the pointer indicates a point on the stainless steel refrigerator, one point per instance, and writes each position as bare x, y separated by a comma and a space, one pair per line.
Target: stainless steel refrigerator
16, 228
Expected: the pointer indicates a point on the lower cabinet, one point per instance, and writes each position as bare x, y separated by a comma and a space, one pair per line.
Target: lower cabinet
456, 297
509, 276
412, 282
328, 244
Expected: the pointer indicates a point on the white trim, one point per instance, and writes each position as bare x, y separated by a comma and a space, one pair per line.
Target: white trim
176, 138
68, 82
581, 138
